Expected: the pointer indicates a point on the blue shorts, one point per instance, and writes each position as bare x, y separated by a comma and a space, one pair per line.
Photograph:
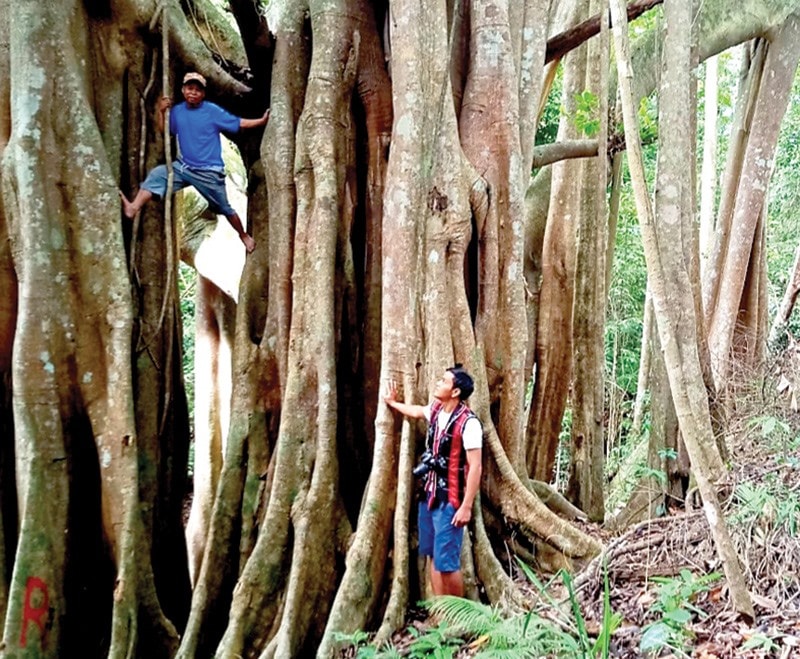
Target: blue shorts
210, 183
439, 538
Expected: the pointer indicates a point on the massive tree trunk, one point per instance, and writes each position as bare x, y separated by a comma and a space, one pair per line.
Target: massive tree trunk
78, 454
303, 512
421, 222
500, 327
8, 323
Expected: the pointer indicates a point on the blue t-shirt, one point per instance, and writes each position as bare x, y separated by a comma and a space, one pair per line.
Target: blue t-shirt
198, 130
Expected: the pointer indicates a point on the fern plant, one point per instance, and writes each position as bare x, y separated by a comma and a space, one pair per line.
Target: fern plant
436, 643
494, 636
360, 640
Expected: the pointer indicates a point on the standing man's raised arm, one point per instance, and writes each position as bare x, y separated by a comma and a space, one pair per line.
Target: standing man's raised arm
390, 398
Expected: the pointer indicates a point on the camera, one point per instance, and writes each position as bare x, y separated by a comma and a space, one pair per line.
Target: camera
428, 461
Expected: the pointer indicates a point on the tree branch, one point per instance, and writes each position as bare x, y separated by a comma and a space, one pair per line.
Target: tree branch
192, 52
546, 154
561, 44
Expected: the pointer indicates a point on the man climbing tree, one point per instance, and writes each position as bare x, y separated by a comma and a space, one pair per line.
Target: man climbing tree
198, 124
451, 470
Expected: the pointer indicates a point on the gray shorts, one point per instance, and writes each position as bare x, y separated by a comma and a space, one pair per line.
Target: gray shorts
210, 183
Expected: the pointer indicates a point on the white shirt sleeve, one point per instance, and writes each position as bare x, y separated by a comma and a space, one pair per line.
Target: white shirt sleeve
427, 412
472, 435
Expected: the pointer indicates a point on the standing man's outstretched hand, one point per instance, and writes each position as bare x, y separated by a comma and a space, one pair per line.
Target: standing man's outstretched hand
390, 395
390, 398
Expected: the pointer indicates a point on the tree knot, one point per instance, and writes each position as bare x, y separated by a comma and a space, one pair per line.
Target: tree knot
437, 201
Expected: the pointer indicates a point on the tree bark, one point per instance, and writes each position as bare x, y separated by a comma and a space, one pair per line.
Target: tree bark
613, 212
787, 302
752, 70
537, 201
773, 97
8, 322
708, 177
749, 340
547, 154
375, 93
81, 372
305, 505
672, 294
533, 33
214, 321
554, 333
644, 368
587, 477
498, 223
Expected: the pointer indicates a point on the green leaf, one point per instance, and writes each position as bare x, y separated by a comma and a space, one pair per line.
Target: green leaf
611, 621
668, 454
465, 616
583, 635
678, 616
542, 588
586, 117
759, 641
655, 637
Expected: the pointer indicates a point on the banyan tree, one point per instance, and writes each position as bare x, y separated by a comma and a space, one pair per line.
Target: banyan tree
398, 229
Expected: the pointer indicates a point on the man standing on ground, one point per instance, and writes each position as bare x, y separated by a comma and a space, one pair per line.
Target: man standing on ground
453, 475
198, 124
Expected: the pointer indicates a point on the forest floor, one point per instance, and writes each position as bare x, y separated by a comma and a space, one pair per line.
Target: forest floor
665, 588
662, 572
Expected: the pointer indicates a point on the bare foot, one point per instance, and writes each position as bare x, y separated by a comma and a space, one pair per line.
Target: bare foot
249, 243
128, 209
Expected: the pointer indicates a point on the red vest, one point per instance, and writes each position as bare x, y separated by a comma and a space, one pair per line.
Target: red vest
447, 443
